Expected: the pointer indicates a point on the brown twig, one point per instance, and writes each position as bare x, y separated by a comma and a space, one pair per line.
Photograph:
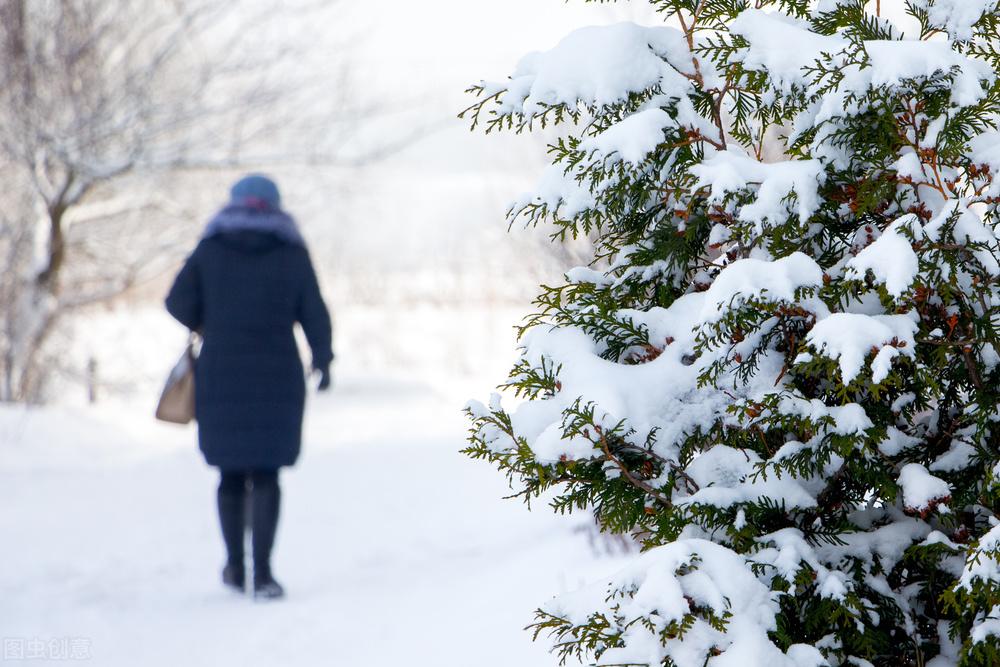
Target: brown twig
632, 479
970, 363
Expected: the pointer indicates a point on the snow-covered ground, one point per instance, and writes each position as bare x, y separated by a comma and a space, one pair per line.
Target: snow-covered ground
393, 547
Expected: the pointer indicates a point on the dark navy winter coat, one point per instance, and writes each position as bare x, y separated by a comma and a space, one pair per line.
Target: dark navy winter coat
245, 290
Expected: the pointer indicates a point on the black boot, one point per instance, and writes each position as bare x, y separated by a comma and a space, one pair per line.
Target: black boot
265, 504
264, 585
234, 576
232, 518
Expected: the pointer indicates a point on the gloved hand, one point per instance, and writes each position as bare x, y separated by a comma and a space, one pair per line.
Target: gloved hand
325, 378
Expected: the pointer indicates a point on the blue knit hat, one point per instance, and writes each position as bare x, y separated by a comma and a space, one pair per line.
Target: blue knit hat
255, 190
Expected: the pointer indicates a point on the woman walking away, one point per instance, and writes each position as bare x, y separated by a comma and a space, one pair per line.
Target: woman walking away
243, 288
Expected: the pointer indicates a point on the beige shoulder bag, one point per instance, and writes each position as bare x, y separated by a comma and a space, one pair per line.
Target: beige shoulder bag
177, 400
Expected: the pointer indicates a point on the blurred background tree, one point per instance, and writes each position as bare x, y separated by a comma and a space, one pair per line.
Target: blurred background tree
105, 109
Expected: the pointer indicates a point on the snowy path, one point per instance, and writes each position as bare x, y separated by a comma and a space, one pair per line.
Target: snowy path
394, 548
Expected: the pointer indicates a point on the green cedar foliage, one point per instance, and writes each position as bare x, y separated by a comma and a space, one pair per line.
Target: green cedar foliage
787, 342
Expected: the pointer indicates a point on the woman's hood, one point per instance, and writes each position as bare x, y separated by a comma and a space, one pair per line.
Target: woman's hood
262, 219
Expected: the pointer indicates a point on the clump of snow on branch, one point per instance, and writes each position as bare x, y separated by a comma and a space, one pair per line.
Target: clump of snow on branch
956, 17
598, 66
732, 171
692, 584
848, 338
890, 258
921, 490
787, 48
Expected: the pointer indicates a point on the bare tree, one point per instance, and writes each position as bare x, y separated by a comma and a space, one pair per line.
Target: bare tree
94, 94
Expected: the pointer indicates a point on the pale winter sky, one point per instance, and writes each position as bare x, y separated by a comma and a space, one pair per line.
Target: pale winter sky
455, 41
443, 198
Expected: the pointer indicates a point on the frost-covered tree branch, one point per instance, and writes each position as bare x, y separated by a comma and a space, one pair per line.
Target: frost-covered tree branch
95, 97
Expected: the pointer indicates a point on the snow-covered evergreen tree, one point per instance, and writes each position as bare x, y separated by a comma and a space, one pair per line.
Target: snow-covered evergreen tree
781, 369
